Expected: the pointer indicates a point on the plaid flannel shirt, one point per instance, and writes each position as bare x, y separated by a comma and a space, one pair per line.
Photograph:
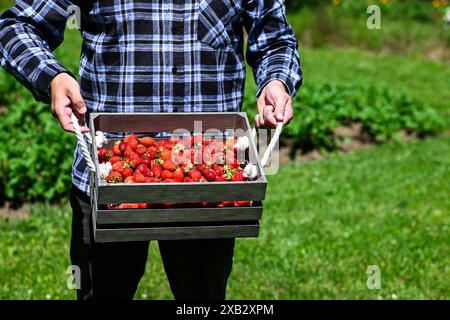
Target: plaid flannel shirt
152, 55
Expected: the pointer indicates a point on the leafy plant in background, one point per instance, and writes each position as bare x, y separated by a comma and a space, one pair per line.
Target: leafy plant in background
34, 161
383, 114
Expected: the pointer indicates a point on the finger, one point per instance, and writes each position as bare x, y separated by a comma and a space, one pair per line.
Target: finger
77, 101
64, 119
280, 106
288, 113
68, 111
269, 117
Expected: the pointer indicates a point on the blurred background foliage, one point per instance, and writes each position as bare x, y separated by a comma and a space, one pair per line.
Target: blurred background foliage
387, 205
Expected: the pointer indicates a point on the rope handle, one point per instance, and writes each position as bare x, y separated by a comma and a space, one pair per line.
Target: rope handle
81, 140
272, 144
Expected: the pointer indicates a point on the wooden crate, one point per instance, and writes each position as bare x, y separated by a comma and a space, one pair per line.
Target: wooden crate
179, 222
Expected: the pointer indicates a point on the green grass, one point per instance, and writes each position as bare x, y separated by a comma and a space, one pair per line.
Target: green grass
324, 223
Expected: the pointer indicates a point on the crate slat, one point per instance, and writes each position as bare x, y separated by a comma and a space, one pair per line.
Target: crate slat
176, 233
156, 215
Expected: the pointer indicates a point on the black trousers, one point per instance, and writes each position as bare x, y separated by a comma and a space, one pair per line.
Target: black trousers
196, 269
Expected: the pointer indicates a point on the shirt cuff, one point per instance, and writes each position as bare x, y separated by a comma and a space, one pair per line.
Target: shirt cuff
280, 77
44, 80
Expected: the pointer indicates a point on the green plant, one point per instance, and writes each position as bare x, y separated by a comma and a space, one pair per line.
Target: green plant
33, 154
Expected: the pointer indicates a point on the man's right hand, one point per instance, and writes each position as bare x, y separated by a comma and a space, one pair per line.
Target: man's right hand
66, 98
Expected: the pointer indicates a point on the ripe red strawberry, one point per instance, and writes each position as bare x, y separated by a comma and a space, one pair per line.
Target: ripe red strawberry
142, 205
130, 137
141, 149
114, 159
133, 144
114, 177
242, 203
238, 176
127, 171
151, 153
116, 150
210, 175
157, 170
178, 175
220, 178
166, 174
129, 179
195, 175
146, 160
109, 153
129, 206
170, 180
218, 169
101, 154
228, 203
147, 141
151, 180
188, 179
169, 165
201, 167
135, 160
139, 178
122, 146
145, 170
165, 154
118, 166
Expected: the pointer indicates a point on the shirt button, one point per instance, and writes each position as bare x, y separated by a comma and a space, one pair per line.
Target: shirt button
174, 70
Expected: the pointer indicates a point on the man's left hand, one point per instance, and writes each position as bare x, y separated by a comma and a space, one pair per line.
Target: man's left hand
274, 105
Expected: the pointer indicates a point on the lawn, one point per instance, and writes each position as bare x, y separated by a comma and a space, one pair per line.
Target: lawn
324, 223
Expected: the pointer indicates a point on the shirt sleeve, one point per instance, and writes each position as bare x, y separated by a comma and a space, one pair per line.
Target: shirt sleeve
29, 32
272, 49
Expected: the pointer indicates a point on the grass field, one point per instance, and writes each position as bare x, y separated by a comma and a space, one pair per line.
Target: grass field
324, 223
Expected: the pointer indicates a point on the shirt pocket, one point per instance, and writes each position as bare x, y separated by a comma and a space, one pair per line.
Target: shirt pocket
216, 22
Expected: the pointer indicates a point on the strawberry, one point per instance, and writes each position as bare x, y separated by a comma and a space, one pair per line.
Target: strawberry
142, 205
166, 174
147, 141
130, 137
210, 175
101, 154
178, 175
151, 180
129, 206
195, 175
114, 159
151, 153
169, 165
122, 146
220, 178
165, 154
146, 160
116, 150
118, 166
141, 149
238, 176
135, 160
129, 179
114, 177
145, 170
127, 171
157, 170
218, 169
242, 203
109, 153
170, 180
228, 203
133, 144
188, 179
139, 178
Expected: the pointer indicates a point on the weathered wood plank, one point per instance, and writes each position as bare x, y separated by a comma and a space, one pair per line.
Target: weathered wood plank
156, 215
176, 233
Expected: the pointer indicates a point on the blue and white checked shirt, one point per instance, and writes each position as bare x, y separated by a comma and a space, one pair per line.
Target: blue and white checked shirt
152, 55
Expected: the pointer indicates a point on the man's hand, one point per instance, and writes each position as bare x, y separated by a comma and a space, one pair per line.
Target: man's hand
66, 98
274, 105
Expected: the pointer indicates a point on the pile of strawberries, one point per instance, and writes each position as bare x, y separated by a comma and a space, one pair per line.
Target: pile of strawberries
186, 159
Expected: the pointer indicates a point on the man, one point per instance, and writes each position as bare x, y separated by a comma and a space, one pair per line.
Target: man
152, 56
